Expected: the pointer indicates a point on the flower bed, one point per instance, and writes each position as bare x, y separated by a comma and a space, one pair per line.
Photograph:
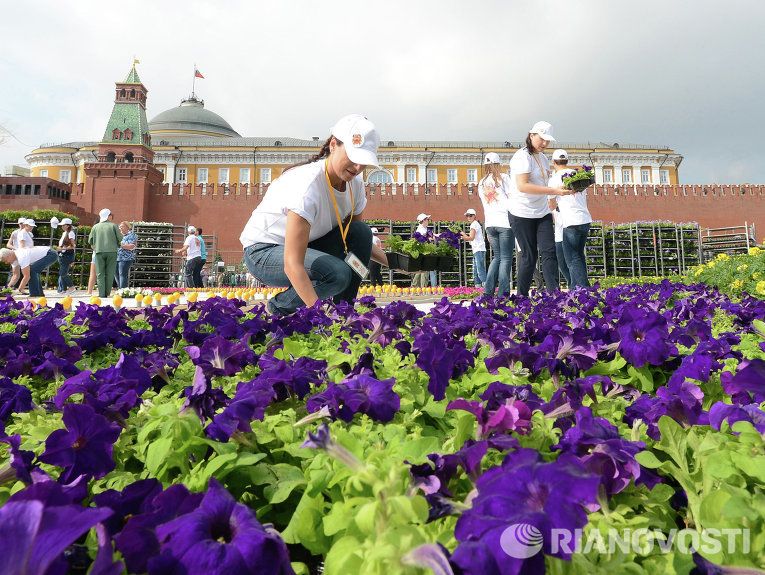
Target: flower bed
382, 439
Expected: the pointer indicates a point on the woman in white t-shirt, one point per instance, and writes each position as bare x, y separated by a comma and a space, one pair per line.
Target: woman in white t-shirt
575, 220
14, 243
31, 262
192, 249
494, 191
477, 246
66, 245
529, 211
307, 233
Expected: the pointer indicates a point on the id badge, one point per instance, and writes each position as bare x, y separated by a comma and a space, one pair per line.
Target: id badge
356, 265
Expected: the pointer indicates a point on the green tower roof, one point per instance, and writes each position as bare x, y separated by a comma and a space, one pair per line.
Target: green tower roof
127, 115
132, 77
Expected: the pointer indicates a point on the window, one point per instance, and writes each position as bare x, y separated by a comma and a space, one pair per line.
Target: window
265, 175
380, 177
411, 175
451, 176
432, 176
182, 175
608, 175
65, 176
645, 176
223, 176
43, 173
202, 175
664, 176
244, 175
626, 175
472, 176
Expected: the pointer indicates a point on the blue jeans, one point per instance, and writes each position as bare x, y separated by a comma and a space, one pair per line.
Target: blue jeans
65, 260
574, 241
536, 238
35, 289
329, 274
433, 278
190, 271
479, 268
562, 265
123, 272
502, 241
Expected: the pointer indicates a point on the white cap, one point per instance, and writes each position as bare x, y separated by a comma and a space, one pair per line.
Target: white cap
375, 231
104, 214
560, 155
192, 229
470, 212
359, 137
21, 221
30, 222
65, 222
422, 217
491, 158
543, 129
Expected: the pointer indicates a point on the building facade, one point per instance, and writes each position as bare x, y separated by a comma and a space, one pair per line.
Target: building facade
188, 165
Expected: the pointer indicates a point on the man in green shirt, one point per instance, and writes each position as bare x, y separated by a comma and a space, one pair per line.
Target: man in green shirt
105, 238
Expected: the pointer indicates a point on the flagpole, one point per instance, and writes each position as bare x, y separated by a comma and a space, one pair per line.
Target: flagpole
194, 82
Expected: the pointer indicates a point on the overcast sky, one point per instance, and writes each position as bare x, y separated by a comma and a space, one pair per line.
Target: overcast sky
685, 74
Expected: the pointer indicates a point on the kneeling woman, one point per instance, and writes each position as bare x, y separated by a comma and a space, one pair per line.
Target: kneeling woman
307, 233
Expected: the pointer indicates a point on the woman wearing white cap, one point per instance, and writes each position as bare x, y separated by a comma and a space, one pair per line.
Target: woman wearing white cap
192, 249
105, 238
529, 209
477, 246
19, 238
494, 190
31, 261
574, 219
65, 256
307, 233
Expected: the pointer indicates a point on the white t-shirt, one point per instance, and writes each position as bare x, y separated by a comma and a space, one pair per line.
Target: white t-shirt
573, 208
478, 244
302, 190
558, 223
376, 241
72, 237
28, 256
495, 200
525, 205
422, 230
195, 247
22, 236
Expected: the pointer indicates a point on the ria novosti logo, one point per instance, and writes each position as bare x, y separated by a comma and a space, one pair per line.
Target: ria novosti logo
521, 540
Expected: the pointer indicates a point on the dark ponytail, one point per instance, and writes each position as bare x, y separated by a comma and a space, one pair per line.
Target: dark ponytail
323, 153
529, 145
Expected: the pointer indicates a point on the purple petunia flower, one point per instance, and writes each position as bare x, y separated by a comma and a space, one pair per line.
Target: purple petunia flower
291, 378
512, 415
524, 490
137, 541
644, 338
720, 412
442, 357
748, 385
220, 536
133, 500
85, 446
680, 401
358, 394
249, 403
35, 534
219, 356
21, 464
14, 398
202, 397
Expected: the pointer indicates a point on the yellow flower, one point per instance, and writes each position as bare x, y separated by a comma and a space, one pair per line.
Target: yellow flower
761, 287
723, 257
737, 284
755, 251
742, 268
756, 275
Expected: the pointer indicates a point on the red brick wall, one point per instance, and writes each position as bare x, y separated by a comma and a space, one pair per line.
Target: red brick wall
225, 215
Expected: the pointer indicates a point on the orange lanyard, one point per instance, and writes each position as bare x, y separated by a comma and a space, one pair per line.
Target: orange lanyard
349, 189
